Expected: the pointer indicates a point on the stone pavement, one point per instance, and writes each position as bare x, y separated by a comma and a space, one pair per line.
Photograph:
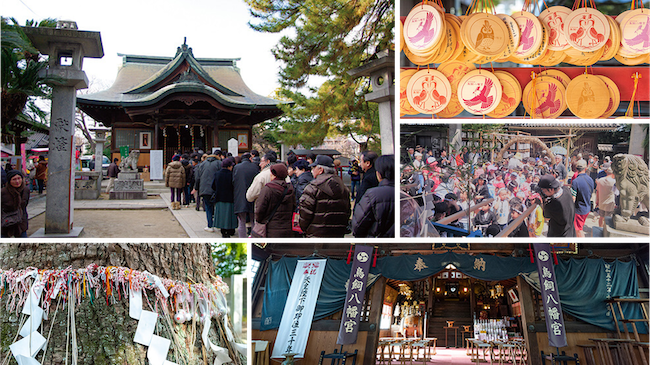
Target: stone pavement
191, 220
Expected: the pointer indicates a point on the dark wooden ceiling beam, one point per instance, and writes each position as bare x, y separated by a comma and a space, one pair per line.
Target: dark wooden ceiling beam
340, 250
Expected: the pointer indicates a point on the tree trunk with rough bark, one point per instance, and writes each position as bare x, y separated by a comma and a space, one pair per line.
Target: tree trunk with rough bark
104, 331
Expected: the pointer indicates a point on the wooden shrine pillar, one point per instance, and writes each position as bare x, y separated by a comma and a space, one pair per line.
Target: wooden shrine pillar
528, 319
156, 140
472, 299
374, 319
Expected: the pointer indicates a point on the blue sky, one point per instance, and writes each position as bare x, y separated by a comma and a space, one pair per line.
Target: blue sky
214, 29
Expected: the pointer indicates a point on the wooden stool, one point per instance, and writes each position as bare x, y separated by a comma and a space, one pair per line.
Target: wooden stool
421, 344
560, 359
383, 359
468, 346
509, 352
487, 347
432, 345
338, 356
523, 353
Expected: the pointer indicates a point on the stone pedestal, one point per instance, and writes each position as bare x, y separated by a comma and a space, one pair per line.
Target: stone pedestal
456, 135
632, 228
128, 185
89, 186
636, 140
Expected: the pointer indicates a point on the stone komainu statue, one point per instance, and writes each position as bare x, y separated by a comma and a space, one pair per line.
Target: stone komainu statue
632, 181
130, 163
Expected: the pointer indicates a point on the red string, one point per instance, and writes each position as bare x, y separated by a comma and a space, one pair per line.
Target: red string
554, 255
349, 254
532, 258
374, 258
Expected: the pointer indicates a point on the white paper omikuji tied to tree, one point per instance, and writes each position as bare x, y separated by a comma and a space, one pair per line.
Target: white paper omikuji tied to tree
299, 309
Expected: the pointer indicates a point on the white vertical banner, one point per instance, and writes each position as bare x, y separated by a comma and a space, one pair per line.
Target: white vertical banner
233, 146
299, 309
156, 162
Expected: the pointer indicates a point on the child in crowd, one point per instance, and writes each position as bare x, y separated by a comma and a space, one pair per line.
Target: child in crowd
502, 207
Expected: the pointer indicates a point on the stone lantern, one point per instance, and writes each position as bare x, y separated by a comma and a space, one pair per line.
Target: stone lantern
100, 139
382, 78
66, 47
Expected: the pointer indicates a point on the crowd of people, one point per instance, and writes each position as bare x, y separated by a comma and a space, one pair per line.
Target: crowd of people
566, 190
260, 196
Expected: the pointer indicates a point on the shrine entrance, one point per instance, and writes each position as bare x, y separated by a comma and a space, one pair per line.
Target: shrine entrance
178, 103
447, 305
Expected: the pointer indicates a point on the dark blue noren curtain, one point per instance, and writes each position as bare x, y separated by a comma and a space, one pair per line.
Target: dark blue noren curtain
583, 283
483, 267
330, 299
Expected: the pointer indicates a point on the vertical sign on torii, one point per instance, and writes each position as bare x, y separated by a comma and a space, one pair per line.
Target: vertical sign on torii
66, 47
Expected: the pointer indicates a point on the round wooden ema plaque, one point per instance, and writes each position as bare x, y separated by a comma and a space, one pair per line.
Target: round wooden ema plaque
467, 55
479, 92
454, 71
513, 39
552, 58
530, 30
587, 96
415, 59
621, 16
486, 34
405, 107
554, 18
401, 36
428, 91
614, 97
586, 29
511, 95
448, 44
635, 31
454, 23
613, 44
423, 29
558, 75
631, 61
547, 100
539, 53
582, 58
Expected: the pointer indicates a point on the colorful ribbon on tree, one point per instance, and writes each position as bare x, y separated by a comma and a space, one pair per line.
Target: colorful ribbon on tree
200, 302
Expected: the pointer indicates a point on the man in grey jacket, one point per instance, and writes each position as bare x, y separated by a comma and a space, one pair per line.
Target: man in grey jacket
203, 185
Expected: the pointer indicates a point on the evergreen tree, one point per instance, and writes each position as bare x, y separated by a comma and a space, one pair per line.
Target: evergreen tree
325, 39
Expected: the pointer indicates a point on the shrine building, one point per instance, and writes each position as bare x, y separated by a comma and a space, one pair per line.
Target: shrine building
179, 103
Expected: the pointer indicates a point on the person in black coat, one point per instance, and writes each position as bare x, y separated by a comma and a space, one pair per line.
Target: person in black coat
4, 177
15, 197
303, 177
189, 179
558, 207
374, 216
223, 199
516, 210
242, 176
485, 217
369, 176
